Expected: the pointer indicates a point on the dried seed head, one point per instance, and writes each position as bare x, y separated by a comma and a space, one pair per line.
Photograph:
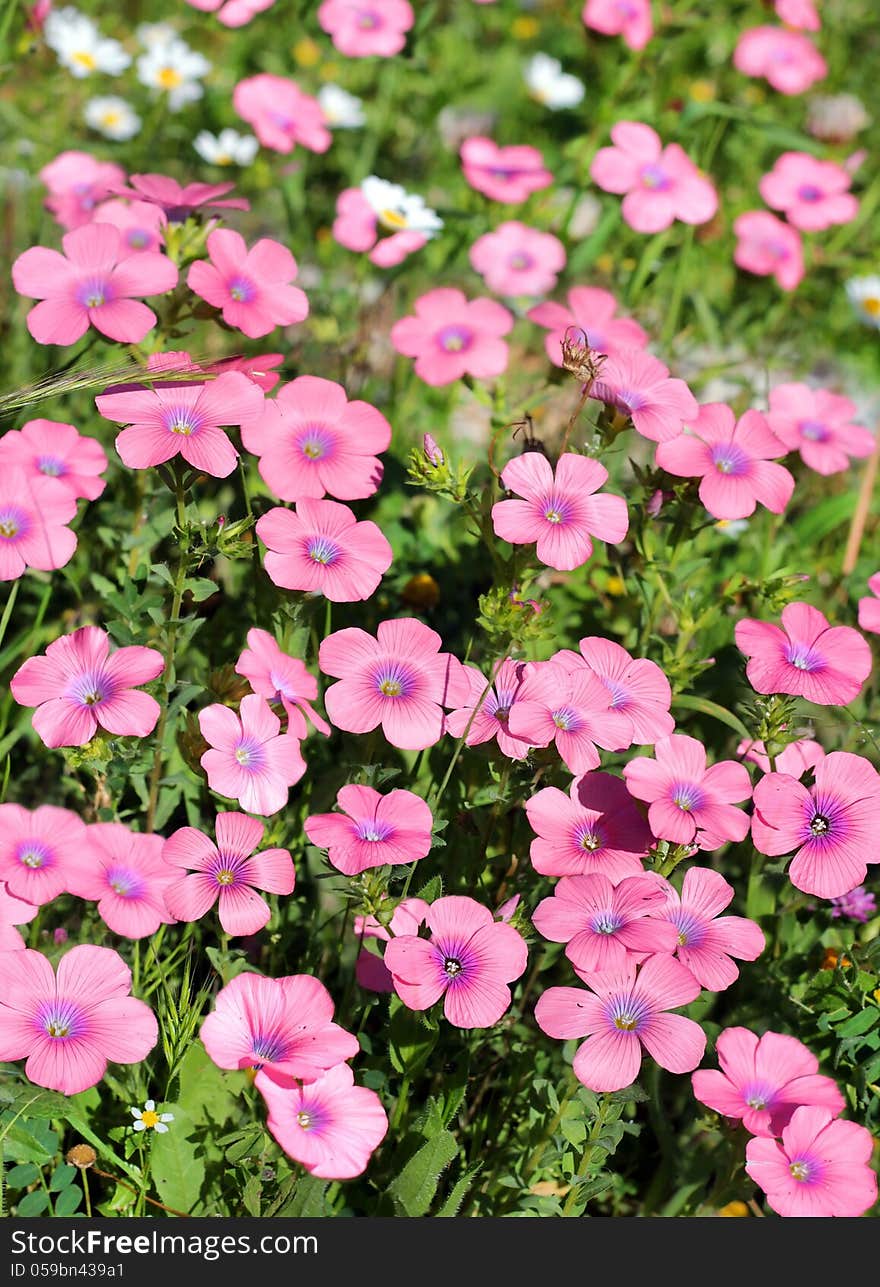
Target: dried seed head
577, 356
81, 1155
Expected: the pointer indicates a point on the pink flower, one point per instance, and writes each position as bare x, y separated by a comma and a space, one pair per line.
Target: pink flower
125, 874
372, 830
51, 449
818, 424
596, 828
182, 419
258, 369
869, 609
591, 312
768, 247
179, 202
485, 712
313, 442
798, 13
358, 223
233, 13
638, 385
733, 460
39, 851
628, 18
832, 824
329, 1125
638, 687
451, 336
560, 511
706, 940
34, 513
690, 804
13, 911
91, 284
79, 685
821, 1167
321, 547
228, 873
283, 1026
572, 709
763, 1080
400, 680
361, 28
604, 925
789, 61
70, 1026
517, 260
279, 677
469, 960
662, 184
625, 1012
796, 760
77, 183
280, 114
250, 760
806, 657
507, 174
813, 194
370, 970
140, 223
250, 287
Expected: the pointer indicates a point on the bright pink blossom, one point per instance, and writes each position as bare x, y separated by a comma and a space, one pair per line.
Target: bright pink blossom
707, 941
733, 460
590, 317
638, 687
813, 194
259, 369
51, 449
638, 385
372, 830
690, 803
625, 1012
70, 1026
595, 828
662, 184
806, 657
602, 924
796, 759
789, 61
179, 418
486, 711
821, 1167
763, 1080
249, 286
329, 1125
77, 183
281, 678
507, 174
280, 114
179, 202
469, 960
400, 680
798, 13
39, 851
313, 442
321, 547
228, 873
451, 336
124, 872
628, 18
768, 247
818, 424
79, 685
34, 513
250, 760
361, 28
560, 510
514, 259
233, 13
141, 224
832, 824
13, 911
91, 284
573, 710
869, 608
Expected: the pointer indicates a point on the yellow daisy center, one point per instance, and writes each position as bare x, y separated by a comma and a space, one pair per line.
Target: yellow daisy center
169, 78
149, 1118
85, 59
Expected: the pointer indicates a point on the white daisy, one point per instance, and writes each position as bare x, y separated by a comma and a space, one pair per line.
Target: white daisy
112, 117
175, 69
397, 209
864, 295
79, 45
226, 148
147, 1119
550, 85
155, 33
731, 527
342, 110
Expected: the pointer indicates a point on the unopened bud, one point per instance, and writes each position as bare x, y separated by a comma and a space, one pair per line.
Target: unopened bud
433, 454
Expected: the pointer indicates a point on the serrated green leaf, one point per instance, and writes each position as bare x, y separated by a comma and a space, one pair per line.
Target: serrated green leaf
414, 1188
308, 1198
459, 1191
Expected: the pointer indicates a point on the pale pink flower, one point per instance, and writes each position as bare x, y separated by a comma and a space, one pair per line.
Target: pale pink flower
820, 1168
596, 828
182, 418
805, 657
329, 1125
400, 680
818, 424
763, 1080
813, 194
77, 182
798, 13
831, 825
365, 28
250, 760
514, 259
768, 247
486, 711
228, 873
628, 18
70, 1026
625, 1012
570, 708
733, 460
78, 685
250, 287
796, 760
281, 678
140, 223
13, 911
560, 510
178, 202
789, 61
451, 336
259, 369
321, 547
869, 608
34, 513
124, 872
280, 114
372, 830
707, 941
603, 925
39, 851
638, 385
507, 174
313, 442
690, 803
52, 449
662, 184
638, 687
469, 960
233, 13
91, 284
589, 316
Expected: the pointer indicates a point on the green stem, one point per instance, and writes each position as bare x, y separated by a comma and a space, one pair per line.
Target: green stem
7, 611
589, 1148
86, 1194
538, 1151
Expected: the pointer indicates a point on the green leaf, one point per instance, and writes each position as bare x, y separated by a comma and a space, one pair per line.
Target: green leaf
33, 1204
201, 588
410, 1042
414, 1188
178, 1163
308, 1198
22, 1144
459, 1191
251, 1194
19, 1177
62, 1177
68, 1200
859, 1023
705, 707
